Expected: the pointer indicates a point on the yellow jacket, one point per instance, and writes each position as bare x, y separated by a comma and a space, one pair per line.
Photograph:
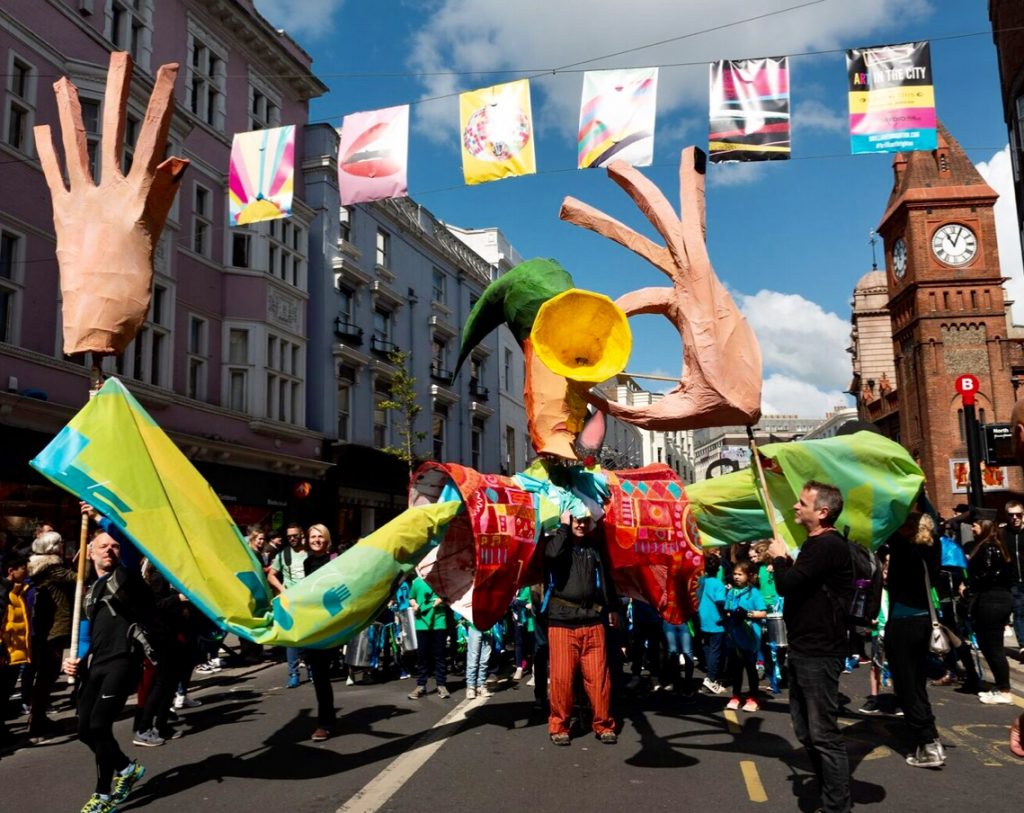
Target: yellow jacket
15, 635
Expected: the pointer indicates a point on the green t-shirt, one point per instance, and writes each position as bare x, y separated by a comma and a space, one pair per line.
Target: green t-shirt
428, 617
766, 584
288, 563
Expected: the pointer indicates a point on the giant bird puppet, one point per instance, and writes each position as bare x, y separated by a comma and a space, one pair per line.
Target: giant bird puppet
473, 535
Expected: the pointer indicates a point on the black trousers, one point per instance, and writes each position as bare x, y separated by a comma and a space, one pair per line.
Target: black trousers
318, 662
431, 655
814, 709
989, 615
100, 701
906, 646
46, 656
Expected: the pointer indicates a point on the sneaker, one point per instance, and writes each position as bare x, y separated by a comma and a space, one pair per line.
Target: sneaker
713, 686
518, 674
751, 704
183, 701
206, 669
99, 804
560, 739
417, 693
492, 680
215, 664
608, 737
404, 676
321, 734
996, 698
125, 781
532, 681
733, 704
483, 691
870, 706
293, 682
350, 681
668, 687
898, 712
471, 693
148, 739
443, 693
930, 755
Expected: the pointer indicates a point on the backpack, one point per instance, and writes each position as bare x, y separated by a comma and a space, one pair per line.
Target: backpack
866, 598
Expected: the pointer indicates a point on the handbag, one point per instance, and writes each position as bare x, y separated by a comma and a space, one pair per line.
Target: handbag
942, 639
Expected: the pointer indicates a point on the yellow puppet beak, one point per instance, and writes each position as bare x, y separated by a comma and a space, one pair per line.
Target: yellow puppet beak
582, 336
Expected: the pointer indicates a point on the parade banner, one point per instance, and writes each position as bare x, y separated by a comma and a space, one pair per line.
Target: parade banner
877, 477
892, 98
373, 156
497, 132
617, 118
261, 175
115, 457
749, 110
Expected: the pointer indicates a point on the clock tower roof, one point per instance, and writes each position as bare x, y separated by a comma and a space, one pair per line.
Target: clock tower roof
945, 173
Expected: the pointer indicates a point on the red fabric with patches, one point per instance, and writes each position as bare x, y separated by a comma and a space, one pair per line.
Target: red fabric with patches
503, 523
653, 543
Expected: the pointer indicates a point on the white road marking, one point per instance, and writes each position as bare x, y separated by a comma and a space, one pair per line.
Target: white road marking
389, 781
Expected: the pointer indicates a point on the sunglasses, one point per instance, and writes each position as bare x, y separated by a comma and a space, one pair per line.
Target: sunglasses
1014, 514
295, 536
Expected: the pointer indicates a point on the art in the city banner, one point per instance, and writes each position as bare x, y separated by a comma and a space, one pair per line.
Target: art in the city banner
261, 175
892, 98
749, 110
497, 132
617, 117
373, 156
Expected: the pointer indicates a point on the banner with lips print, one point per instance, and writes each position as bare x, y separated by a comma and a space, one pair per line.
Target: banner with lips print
373, 156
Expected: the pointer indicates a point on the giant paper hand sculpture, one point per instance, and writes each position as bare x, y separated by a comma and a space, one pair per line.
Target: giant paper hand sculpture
107, 230
721, 380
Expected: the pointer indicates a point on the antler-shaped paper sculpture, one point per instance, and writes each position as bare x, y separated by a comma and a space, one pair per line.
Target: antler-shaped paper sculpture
721, 380
107, 230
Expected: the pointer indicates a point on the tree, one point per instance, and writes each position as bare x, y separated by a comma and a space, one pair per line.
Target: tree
403, 402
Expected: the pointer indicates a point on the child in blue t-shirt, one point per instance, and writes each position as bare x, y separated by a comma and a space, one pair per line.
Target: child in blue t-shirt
710, 609
744, 609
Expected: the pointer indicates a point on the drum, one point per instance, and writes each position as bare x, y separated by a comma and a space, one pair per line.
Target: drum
407, 625
776, 629
359, 651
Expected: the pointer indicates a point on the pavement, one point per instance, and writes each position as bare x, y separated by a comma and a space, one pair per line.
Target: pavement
247, 746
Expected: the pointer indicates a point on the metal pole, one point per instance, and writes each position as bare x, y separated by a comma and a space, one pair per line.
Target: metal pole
973, 455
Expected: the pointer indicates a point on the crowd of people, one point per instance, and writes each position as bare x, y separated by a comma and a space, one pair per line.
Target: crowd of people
766, 623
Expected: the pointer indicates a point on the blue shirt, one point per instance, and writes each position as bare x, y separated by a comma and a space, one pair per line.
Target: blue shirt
712, 596
745, 634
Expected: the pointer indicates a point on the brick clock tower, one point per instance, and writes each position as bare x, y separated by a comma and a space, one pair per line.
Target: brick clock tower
948, 313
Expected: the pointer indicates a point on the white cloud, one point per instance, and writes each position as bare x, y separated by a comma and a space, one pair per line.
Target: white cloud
736, 173
785, 395
301, 18
814, 115
799, 339
998, 173
481, 35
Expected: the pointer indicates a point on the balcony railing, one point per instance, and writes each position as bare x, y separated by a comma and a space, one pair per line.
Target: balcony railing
382, 346
439, 373
346, 330
478, 391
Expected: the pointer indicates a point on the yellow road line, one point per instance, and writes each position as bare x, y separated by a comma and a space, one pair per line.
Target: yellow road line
755, 788
732, 721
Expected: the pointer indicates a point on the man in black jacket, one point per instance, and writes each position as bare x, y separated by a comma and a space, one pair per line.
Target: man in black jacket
118, 606
1013, 536
578, 600
817, 589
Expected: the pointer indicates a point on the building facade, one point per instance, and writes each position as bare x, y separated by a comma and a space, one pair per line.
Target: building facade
221, 360
873, 384
1007, 18
948, 314
723, 449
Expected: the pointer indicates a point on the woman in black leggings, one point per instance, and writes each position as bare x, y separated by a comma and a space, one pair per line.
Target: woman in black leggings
989, 577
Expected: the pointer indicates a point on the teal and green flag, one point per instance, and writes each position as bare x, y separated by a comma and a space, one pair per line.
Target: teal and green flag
114, 456
878, 479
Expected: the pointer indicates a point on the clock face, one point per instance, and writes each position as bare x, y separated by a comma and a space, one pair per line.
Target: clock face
954, 244
899, 258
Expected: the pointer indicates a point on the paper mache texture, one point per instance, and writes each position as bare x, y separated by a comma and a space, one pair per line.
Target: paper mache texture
721, 380
107, 229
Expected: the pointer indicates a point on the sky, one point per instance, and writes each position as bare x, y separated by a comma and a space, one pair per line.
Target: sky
789, 239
